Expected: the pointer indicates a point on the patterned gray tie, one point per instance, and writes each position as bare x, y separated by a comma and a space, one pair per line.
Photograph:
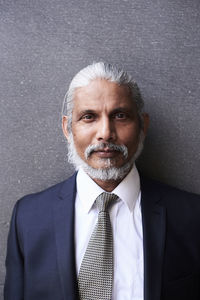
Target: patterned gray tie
96, 271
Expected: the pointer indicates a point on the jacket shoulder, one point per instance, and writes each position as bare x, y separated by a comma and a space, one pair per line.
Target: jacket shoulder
45, 197
165, 190
178, 203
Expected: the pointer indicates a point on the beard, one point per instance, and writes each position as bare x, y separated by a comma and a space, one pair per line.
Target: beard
109, 171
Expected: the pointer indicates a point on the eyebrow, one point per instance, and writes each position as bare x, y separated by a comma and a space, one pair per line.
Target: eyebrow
124, 109
87, 111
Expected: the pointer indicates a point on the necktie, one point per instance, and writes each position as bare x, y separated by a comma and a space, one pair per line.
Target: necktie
96, 271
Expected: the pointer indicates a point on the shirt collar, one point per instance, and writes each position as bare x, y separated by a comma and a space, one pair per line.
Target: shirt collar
87, 190
128, 190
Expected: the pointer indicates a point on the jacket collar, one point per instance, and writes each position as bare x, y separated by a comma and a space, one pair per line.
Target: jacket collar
63, 212
154, 227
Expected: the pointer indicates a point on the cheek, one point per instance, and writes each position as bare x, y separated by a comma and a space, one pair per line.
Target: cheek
82, 140
129, 136
84, 133
130, 139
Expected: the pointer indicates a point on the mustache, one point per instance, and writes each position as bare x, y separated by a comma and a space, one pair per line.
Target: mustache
106, 146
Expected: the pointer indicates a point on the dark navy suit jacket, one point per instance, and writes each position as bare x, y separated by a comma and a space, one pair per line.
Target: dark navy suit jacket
41, 252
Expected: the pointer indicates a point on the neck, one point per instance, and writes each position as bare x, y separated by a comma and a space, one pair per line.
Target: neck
108, 185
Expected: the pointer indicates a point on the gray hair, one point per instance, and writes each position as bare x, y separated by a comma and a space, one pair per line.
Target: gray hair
105, 71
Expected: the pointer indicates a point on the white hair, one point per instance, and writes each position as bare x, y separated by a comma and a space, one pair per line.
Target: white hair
106, 71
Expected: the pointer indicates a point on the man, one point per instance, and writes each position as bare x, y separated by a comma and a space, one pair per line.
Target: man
72, 242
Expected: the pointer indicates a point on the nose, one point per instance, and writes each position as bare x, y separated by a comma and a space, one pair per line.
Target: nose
106, 130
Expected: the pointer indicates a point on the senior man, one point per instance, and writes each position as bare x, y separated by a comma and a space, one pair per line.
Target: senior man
106, 232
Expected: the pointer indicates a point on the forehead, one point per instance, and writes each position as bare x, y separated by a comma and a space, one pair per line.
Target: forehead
101, 91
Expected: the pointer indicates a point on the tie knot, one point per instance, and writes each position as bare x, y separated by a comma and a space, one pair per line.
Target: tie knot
104, 200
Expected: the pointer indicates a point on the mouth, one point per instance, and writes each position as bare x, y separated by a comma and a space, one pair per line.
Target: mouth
106, 153
106, 150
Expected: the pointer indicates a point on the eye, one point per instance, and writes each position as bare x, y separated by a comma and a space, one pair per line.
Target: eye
88, 117
120, 115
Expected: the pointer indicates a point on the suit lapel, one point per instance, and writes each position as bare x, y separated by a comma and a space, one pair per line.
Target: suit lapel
64, 234
153, 219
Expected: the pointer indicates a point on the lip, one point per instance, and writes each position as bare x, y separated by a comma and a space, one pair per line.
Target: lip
106, 153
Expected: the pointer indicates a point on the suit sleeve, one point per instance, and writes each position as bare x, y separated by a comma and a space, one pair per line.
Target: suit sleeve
14, 282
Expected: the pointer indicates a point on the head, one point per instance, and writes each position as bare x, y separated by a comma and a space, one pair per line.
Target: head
103, 121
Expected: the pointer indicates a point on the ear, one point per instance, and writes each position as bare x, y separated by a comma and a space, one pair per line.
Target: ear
64, 127
146, 121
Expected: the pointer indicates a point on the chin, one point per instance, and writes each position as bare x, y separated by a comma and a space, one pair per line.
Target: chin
106, 173
104, 164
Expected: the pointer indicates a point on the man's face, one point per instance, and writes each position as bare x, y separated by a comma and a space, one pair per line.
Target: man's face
104, 112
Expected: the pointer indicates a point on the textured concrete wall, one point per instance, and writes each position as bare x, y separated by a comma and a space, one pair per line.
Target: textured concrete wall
43, 43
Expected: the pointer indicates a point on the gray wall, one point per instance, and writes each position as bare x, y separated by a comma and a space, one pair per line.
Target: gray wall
43, 43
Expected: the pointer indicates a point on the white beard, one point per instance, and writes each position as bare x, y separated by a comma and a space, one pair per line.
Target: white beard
108, 172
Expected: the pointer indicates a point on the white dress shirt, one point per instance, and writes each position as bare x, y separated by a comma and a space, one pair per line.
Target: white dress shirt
126, 222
